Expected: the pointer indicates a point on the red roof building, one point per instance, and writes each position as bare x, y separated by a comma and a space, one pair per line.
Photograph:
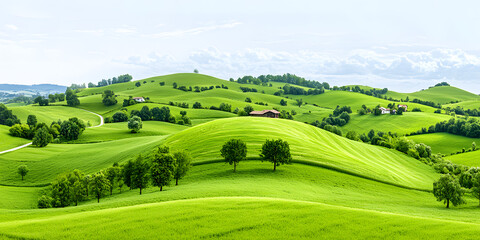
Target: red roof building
265, 113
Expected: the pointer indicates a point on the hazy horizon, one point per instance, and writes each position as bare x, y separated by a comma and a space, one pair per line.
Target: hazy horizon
404, 46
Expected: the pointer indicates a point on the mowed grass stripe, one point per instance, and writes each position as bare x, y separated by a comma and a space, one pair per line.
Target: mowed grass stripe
238, 218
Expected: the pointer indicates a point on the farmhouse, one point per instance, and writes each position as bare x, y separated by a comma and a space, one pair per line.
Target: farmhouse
139, 99
385, 110
403, 106
265, 113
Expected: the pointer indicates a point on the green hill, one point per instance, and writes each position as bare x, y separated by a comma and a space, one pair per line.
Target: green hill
470, 104
308, 144
7, 141
471, 159
445, 143
402, 124
48, 114
441, 94
334, 187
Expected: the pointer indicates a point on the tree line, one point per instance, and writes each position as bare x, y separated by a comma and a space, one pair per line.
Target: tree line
465, 127
158, 170
105, 82
146, 114
286, 78
288, 89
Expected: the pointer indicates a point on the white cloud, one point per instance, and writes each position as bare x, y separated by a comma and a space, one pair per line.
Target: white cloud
125, 30
11, 27
90, 31
363, 66
193, 31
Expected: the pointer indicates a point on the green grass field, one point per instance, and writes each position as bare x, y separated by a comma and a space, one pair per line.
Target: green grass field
444, 142
335, 187
468, 159
46, 163
7, 141
401, 124
227, 205
308, 144
48, 114
332, 99
442, 95
471, 104
118, 131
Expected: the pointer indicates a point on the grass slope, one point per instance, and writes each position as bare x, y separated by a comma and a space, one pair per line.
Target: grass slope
401, 124
444, 142
442, 95
46, 163
238, 218
308, 144
332, 99
48, 114
297, 193
117, 131
468, 159
471, 104
9, 142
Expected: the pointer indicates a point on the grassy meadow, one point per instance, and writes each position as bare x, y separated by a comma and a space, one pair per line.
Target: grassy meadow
334, 188
445, 143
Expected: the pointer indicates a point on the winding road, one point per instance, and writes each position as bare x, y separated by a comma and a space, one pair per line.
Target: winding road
102, 122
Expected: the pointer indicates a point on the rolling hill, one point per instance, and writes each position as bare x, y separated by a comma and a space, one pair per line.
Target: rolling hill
334, 186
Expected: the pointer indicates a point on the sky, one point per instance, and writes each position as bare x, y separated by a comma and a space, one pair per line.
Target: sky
402, 45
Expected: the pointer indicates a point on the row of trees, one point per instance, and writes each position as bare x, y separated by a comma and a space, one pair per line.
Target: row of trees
275, 151
288, 89
42, 134
7, 117
114, 80
158, 170
197, 88
286, 78
465, 127
145, 114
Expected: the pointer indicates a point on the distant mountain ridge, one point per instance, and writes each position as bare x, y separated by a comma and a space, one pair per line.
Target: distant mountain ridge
34, 88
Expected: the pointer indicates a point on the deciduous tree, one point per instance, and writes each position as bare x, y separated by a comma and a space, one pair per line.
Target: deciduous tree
234, 151
162, 170
135, 124
140, 171
277, 152
182, 165
99, 185
448, 189
23, 170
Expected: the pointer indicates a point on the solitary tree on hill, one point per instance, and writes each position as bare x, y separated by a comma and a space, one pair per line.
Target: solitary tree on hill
277, 152
23, 170
448, 189
299, 102
234, 151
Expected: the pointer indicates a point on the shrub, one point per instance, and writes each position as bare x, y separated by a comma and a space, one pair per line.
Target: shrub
119, 117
